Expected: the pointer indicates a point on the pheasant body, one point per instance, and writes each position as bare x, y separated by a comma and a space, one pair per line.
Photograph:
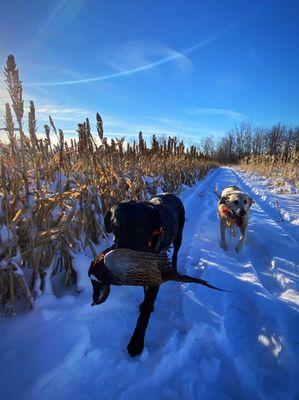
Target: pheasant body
129, 267
118, 266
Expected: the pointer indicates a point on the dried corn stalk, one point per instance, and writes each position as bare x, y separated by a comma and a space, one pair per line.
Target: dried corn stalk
53, 193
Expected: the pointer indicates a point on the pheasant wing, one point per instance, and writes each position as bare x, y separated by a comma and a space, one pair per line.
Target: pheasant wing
132, 268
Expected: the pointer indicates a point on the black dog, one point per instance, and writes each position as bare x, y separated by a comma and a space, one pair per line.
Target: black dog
149, 226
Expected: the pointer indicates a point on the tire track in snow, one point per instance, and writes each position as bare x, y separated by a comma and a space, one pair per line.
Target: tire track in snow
265, 253
203, 307
250, 316
269, 210
274, 254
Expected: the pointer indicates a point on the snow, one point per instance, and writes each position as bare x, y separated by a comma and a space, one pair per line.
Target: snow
291, 296
4, 234
81, 265
280, 198
200, 343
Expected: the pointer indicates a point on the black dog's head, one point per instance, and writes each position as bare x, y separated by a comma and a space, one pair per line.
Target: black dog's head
133, 224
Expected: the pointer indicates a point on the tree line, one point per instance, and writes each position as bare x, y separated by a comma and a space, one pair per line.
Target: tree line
245, 141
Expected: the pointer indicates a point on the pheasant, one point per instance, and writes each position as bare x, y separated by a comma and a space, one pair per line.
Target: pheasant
135, 268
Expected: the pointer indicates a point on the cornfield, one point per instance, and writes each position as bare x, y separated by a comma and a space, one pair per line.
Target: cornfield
54, 193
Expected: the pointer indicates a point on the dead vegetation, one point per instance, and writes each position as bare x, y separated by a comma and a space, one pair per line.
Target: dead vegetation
53, 193
274, 167
272, 152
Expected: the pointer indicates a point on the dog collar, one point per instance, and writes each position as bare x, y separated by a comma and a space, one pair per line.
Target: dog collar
157, 232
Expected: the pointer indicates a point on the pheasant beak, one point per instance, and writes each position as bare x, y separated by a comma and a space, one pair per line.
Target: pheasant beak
101, 292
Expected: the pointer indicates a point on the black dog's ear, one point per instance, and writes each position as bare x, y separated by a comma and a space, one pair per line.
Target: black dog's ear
223, 200
107, 221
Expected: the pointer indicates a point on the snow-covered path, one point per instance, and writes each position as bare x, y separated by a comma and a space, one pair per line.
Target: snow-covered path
200, 343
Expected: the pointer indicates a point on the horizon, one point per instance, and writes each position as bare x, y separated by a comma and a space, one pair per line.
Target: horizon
199, 70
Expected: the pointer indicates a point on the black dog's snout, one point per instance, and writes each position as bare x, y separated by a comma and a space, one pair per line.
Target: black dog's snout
242, 213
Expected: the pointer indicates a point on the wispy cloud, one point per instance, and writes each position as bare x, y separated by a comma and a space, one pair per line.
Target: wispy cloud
171, 55
141, 53
4, 98
217, 112
61, 113
162, 126
64, 114
64, 11
43, 69
67, 116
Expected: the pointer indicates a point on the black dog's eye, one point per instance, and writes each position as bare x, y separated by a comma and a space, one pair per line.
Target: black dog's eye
236, 201
245, 201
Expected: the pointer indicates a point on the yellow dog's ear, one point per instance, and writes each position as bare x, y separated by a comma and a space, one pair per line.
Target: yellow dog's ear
223, 200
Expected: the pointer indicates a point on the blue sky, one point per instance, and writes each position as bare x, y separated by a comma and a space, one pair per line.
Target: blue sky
189, 68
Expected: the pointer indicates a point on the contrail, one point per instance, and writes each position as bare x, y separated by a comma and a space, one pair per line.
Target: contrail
142, 67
